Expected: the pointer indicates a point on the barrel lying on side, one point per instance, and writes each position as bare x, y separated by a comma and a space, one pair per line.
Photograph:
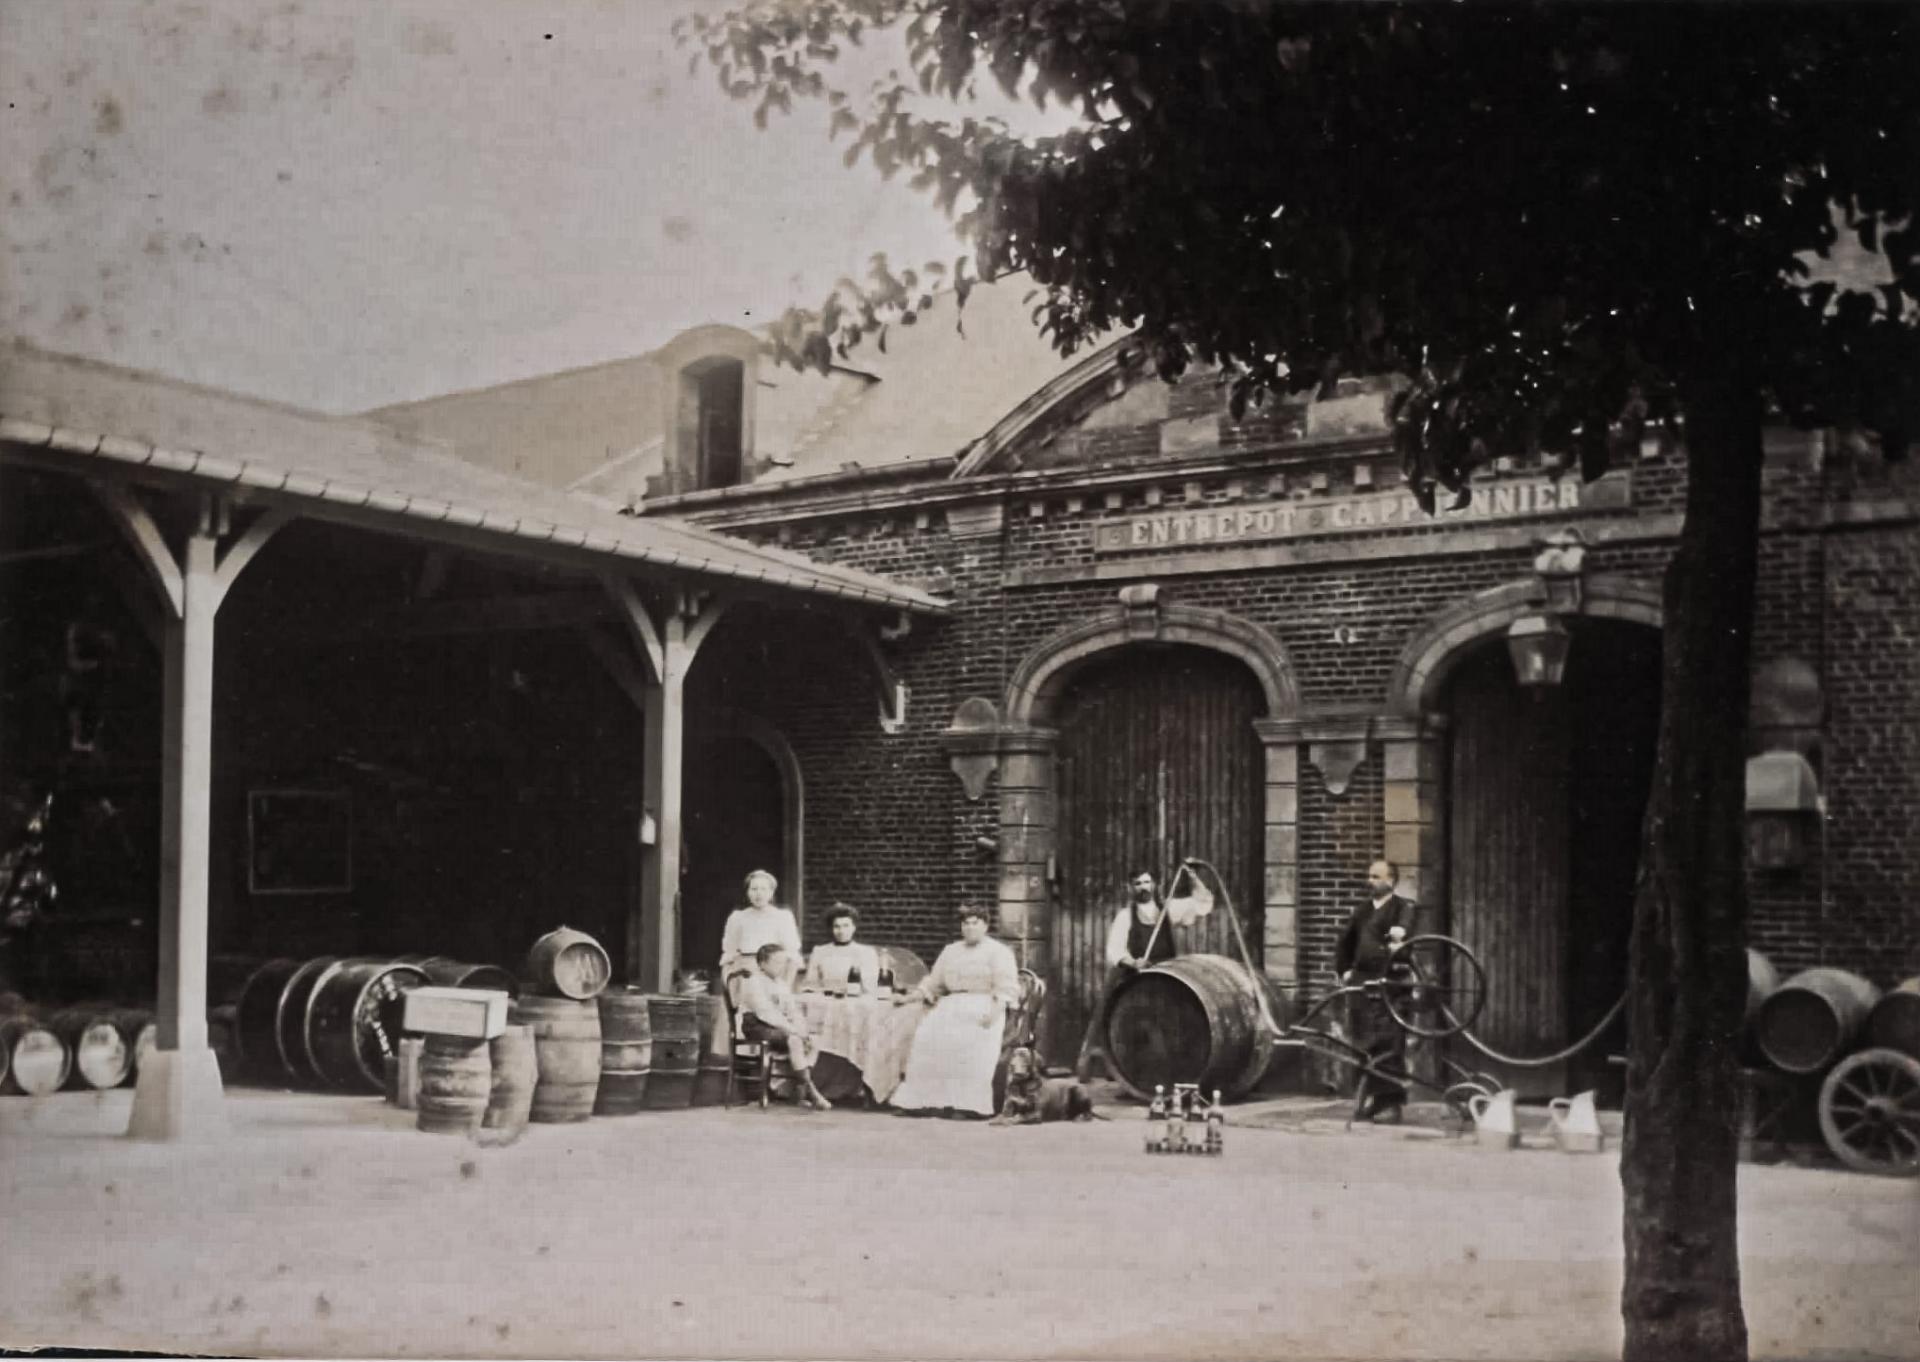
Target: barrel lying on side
1811, 1020
102, 1053
568, 964
1894, 1023
1192, 1019
566, 1042
37, 1059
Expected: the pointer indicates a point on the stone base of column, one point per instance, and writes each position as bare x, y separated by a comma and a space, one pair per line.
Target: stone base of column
179, 1097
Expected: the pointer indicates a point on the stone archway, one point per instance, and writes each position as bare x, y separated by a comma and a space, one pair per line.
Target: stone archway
726, 724
1025, 746
1421, 673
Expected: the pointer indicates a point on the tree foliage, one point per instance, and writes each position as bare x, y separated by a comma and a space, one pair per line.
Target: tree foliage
1555, 223
1542, 214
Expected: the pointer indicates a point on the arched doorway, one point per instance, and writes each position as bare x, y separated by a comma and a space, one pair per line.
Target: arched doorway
741, 812
1546, 793
1157, 759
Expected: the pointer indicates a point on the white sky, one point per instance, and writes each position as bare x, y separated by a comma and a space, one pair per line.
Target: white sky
345, 204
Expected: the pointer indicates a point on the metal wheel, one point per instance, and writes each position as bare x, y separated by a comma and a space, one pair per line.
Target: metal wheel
1434, 986
1870, 1112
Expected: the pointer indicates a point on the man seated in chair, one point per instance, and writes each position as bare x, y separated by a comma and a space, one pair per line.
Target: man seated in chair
769, 1015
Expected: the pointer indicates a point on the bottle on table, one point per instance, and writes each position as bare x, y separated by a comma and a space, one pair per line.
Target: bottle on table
854, 987
1157, 1120
883, 985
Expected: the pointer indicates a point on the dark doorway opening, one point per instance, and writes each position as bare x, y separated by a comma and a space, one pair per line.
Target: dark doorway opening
1547, 790
735, 817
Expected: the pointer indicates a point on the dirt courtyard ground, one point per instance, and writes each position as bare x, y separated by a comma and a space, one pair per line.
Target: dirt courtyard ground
329, 1227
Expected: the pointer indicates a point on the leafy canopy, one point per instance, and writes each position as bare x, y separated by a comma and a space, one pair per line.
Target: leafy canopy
1555, 218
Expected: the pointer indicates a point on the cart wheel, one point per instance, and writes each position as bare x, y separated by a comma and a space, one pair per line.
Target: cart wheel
1434, 986
1870, 1112
1459, 1099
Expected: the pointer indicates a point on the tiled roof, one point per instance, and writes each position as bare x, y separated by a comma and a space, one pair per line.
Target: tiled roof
98, 414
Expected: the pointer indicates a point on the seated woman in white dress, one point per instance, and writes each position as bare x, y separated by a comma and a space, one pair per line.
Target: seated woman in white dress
970, 988
748, 929
832, 962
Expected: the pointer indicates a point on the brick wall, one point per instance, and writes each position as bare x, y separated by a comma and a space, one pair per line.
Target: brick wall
1839, 596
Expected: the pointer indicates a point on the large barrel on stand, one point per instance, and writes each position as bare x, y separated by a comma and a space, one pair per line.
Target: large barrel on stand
1192, 1019
1894, 1023
675, 1021
716, 1051
626, 1052
516, 1071
566, 1042
450, 973
37, 1059
353, 1021
456, 1077
568, 964
1810, 1021
290, 1019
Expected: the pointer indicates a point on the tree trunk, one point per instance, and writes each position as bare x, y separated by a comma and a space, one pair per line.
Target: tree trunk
1687, 979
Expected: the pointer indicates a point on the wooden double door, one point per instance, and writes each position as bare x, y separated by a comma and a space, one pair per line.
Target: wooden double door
1157, 760
1546, 792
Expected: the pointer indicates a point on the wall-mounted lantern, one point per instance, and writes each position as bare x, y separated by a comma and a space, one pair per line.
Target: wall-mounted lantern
1538, 645
1783, 809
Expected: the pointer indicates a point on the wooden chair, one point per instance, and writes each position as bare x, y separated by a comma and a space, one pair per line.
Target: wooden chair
753, 1063
1023, 1028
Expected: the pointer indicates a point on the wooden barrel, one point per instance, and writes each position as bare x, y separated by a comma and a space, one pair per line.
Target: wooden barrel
676, 1050
1810, 1021
1762, 980
1192, 1019
290, 1019
566, 1042
516, 1070
450, 973
256, 1012
1894, 1023
456, 1077
716, 1052
626, 1052
354, 1021
568, 964
38, 1061
102, 1054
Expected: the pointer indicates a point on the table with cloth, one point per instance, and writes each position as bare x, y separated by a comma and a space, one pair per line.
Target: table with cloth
862, 1041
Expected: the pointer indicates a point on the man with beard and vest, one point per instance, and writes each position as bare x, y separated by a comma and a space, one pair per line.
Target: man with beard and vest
1376, 927
1132, 944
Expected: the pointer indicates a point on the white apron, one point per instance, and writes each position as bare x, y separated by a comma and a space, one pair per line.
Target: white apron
953, 1056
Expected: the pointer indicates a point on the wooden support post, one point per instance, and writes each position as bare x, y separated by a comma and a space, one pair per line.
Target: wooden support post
668, 645
179, 1094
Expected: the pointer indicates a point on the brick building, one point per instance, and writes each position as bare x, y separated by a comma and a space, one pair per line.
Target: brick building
1137, 630
1178, 634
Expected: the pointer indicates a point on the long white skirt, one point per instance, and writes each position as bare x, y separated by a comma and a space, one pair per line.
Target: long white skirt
951, 1063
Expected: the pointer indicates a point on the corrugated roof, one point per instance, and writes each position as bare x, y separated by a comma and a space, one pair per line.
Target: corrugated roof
87, 411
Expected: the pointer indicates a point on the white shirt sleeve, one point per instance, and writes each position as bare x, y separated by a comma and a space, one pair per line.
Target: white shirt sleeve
1117, 936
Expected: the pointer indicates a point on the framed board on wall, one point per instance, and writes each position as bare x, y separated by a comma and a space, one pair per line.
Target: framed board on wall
299, 841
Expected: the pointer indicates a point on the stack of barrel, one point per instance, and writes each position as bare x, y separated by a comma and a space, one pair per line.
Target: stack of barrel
92, 1046
567, 972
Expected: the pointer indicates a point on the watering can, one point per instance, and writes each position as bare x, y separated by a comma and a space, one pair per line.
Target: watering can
1576, 1125
1493, 1119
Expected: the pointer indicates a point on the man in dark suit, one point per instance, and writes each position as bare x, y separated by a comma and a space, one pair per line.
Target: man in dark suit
1376, 926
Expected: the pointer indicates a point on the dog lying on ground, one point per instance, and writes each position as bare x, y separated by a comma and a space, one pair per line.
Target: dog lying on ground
1034, 1099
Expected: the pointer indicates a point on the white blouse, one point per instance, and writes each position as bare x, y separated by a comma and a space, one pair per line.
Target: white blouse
748, 929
